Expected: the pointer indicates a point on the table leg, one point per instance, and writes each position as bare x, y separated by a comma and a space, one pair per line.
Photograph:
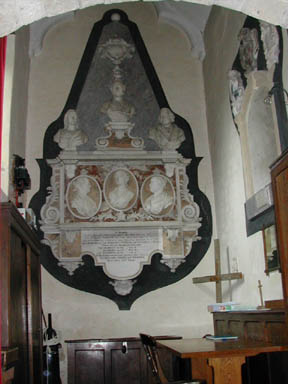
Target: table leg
200, 370
227, 370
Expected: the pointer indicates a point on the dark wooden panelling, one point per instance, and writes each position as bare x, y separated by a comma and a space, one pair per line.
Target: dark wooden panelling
257, 325
279, 176
114, 361
21, 294
89, 366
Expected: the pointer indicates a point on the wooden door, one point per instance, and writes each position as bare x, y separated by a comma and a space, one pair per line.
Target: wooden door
18, 307
21, 294
115, 361
105, 362
34, 311
126, 363
88, 366
279, 175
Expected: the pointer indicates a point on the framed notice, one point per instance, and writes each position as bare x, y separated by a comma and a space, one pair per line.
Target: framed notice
271, 255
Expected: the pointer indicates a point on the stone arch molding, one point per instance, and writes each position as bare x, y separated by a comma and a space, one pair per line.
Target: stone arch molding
190, 19
256, 81
16, 13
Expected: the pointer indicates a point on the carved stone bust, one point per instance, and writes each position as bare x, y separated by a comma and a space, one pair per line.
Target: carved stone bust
167, 134
117, 109
71, 135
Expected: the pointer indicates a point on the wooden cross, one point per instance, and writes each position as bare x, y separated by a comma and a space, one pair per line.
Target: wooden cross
218, 278
260, 286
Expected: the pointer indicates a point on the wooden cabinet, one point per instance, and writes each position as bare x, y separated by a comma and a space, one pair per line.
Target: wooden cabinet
114, 361
279, 176
252, 325
21, 294
270, 368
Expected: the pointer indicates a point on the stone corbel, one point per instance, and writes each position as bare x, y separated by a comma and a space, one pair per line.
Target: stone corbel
173, 263
70, 265
123, 287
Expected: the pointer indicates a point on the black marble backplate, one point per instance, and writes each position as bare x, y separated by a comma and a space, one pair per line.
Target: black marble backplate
144, 91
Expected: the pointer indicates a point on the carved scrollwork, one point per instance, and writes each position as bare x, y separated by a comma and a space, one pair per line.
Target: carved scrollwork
50, 213
190, 212
137, 142
116, 50
102, 142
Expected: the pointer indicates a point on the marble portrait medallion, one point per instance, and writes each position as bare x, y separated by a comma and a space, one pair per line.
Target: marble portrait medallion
157, 195
120, 189
83, 197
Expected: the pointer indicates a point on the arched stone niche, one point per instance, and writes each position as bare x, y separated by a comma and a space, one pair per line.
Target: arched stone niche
257, 73
257, 130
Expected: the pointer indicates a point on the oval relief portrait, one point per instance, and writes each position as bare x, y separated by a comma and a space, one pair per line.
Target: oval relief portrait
157, 195
121, 189
83, 197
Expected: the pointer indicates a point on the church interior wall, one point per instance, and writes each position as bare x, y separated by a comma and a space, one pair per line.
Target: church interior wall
180, 308
20, 93
6, 117
15, 107
221, 42
285, 58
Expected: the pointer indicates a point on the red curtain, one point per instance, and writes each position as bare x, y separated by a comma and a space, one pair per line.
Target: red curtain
3, 43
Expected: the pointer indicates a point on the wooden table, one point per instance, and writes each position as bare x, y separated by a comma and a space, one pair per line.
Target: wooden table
221, 360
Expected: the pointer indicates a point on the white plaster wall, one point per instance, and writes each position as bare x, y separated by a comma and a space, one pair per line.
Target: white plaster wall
180, 308
285, 61
14, 109
19, 103
221, 48
7, 105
